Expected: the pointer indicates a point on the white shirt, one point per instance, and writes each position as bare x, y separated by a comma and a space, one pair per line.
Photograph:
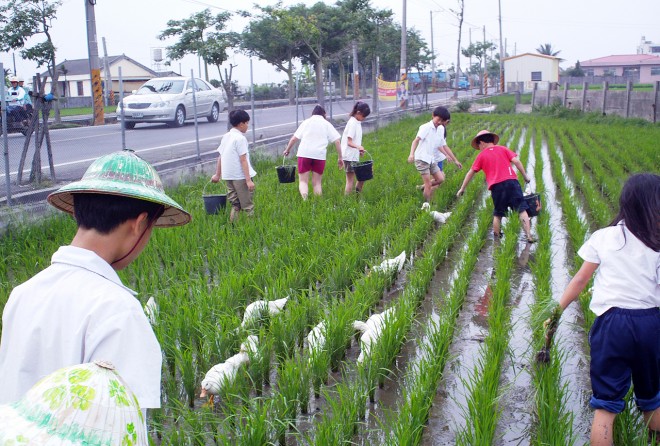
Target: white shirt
233, 145
73, 312
628, 275
17, 96
431, 138
315, 133
353, 130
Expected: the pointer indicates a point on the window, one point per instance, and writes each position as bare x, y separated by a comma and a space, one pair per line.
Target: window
536, 76
201, 85
629, 71
79, 85
655, 71
655, 50
589, 72
609, 72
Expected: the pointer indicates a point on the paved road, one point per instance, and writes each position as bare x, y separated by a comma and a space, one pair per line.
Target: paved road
75, 148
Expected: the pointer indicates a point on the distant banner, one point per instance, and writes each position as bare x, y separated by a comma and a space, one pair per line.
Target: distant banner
392, 91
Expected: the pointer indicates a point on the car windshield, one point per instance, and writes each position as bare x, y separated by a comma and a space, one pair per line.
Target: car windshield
162, 87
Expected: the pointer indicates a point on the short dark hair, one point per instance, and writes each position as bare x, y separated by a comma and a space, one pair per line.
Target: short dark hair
238, 116
489, 137
639, 208
362, 108
442, 113
104, 212
318, 110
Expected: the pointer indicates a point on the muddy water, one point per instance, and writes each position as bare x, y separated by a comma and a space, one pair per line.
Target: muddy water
570, 338
516, 382
446, 416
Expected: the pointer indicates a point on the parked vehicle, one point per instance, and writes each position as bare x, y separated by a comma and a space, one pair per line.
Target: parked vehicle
463, 83
170, 100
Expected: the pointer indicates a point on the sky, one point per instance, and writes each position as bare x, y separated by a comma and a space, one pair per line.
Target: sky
579, 29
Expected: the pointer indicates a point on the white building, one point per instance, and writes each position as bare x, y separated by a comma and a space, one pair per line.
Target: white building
521, 72
648, 47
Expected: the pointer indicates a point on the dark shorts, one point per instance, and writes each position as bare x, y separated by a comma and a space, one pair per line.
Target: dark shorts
624, 346
307, 164
349, 166
507, 194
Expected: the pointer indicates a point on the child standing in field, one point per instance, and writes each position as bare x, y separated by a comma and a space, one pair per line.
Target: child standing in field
351, 145
625, 257
77, 310
429, 150
314, 134
502, 181
234, 165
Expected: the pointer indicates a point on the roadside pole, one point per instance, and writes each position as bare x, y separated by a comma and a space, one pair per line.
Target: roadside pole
121, 111
194, 87
5, 140
254, 139
94, 69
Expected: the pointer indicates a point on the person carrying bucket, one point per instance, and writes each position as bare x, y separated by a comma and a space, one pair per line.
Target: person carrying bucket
351, 145
77, 310
502, 180
429, 150
234, 165
314, 134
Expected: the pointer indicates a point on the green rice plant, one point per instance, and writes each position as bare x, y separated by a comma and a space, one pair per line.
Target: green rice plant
255, 427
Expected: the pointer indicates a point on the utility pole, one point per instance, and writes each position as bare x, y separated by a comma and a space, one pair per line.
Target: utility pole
432, 56
94, 65
485, 76
404, 45
356, 72
106, 74
501, 50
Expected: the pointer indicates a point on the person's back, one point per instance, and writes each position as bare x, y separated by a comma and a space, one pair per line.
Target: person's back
495, 161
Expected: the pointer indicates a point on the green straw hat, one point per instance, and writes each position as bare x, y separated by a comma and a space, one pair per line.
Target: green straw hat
86, 404
126, 174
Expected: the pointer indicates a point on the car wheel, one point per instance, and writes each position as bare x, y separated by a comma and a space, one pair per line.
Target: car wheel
215, 113
179, 117
129, 125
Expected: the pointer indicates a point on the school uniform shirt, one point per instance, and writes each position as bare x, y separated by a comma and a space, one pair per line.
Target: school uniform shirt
353, 130
315, 133
233, 145
437, 154
628, 274
77, 311
431, 137
495, 161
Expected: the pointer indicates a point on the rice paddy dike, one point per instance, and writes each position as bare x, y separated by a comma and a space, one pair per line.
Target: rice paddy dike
455, 364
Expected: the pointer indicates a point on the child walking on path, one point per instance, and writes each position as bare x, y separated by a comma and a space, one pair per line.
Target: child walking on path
502, 181
234, 165
625, 257
77, 310
429, 150
314, 134
351, 145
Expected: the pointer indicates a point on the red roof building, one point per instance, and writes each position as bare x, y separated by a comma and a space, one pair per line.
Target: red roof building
639, 68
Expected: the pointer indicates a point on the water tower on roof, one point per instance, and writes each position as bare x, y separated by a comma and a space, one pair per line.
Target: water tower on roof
156, 58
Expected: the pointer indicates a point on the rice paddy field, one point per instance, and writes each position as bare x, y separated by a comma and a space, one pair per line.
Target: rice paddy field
454, 361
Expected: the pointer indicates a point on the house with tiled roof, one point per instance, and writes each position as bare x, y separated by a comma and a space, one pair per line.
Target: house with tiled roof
74, 76
525, 71
638, 68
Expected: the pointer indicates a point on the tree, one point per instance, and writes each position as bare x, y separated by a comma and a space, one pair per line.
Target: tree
204, 34
479, 50
21, 20
547, 50
267, 38
576, 71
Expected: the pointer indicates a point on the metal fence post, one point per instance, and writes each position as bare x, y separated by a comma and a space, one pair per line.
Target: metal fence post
194, 93
5, 140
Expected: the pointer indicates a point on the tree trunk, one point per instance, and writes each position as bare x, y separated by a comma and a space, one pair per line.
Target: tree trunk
374, 85
292, 85
342, 79
320, 94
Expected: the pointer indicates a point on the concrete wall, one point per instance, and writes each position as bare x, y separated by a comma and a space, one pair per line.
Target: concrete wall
627, 103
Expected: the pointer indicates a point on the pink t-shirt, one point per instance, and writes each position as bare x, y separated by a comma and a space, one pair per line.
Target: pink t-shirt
495, 161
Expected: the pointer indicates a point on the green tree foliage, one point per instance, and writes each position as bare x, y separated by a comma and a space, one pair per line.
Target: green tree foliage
24, 20
575, 71
479, 50
204, 34
546, 49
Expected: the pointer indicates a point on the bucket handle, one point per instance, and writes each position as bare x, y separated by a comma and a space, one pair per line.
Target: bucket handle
206, 185
286, 165
371, 158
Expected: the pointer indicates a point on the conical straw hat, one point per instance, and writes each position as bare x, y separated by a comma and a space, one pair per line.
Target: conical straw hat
87, 404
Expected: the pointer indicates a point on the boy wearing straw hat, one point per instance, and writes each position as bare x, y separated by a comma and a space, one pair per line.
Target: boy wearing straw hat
234, 165
77, 310
502, 181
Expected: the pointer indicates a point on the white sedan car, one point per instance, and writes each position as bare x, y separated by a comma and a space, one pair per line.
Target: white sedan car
170, 100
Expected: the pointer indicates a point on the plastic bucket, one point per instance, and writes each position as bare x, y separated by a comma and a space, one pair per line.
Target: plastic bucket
213, 203
534, 203
286, 174
364, 170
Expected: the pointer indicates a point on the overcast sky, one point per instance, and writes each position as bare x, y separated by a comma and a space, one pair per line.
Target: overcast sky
579, 29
